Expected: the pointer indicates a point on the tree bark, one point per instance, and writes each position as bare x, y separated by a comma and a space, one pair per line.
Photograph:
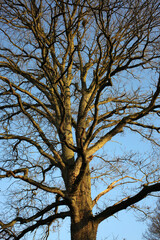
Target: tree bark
82, 224
83, 230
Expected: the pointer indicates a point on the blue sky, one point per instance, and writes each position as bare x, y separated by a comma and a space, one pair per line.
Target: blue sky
124, 225
127, 224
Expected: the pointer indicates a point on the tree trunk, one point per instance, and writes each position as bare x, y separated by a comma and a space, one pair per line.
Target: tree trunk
83, 230
82, 225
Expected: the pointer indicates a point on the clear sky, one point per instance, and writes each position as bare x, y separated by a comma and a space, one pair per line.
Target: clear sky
126, 225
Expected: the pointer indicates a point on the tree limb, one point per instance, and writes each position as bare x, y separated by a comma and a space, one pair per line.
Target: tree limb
128, 202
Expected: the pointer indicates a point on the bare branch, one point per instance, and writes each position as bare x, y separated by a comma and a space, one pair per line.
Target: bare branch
128, 202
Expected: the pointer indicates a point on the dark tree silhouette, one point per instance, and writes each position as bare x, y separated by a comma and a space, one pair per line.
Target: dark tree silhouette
153, 232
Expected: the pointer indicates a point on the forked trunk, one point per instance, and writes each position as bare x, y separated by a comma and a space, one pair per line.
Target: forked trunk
82, 225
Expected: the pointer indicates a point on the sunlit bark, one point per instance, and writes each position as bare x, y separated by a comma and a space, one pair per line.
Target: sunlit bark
67, 87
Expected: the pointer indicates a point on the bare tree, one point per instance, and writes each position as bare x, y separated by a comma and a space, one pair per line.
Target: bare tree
153, 232
68, 86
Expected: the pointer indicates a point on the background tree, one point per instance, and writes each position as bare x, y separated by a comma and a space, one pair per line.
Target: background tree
68, 87
153, 232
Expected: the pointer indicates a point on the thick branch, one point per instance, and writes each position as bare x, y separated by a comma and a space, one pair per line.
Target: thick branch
35, 144
37, 215
132, 117
25, 178
130, 201
39, 223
